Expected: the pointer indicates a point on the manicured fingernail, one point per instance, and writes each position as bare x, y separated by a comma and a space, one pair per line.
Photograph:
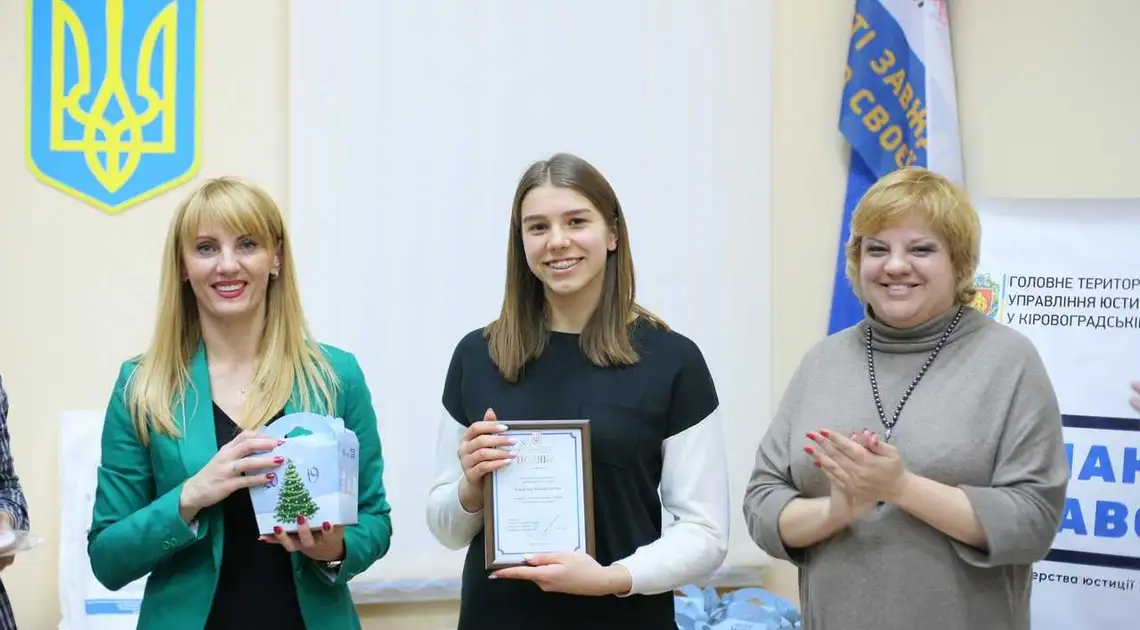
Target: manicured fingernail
277, 529
825, 433
809, 450
278, 459
810, 435
501, 427
300, 519
280, 442
271, 476
326, 526
818, 465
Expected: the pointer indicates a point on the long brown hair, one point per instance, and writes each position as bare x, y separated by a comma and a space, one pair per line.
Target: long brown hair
522, 330
288, 357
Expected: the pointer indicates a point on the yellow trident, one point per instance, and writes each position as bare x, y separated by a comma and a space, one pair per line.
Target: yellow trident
123, 138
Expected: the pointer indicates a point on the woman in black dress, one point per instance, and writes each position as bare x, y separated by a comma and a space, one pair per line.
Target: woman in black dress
571, 342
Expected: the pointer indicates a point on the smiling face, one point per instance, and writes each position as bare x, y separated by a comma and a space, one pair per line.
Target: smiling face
229, 273
914, 247
565, 239
906, 274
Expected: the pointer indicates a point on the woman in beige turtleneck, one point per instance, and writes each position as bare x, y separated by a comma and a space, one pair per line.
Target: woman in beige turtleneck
916, 482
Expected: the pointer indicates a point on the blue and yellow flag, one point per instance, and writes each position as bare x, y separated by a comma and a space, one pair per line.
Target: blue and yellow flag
113, 97
899, 109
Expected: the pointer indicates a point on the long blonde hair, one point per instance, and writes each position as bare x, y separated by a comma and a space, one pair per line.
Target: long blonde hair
521, 331
287, 358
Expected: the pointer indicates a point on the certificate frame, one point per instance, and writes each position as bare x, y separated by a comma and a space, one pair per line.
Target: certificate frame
495, 556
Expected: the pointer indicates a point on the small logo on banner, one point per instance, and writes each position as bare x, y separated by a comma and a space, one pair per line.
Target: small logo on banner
987, 300
113, 97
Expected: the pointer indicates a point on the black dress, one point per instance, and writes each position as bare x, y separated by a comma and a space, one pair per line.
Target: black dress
632, 410
255, 587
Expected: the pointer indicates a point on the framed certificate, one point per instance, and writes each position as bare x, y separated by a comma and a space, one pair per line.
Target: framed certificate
543, 501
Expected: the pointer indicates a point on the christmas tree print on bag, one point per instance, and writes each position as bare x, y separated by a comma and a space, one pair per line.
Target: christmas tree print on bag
294, 498
318, 478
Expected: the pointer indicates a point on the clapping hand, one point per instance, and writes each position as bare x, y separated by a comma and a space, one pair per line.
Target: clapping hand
864, 466
845, 506
573, 573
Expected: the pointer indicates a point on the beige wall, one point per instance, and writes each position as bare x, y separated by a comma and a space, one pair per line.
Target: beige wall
74, 303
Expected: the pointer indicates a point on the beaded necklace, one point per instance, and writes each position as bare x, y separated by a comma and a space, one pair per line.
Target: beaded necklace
889, 424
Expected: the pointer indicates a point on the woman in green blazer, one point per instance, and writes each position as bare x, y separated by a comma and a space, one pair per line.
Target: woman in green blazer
181, 444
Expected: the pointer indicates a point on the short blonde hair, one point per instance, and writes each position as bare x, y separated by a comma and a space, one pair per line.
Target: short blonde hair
918, 193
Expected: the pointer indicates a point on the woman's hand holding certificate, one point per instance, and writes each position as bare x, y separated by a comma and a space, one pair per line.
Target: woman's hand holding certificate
573, 573
538, 512
481, 452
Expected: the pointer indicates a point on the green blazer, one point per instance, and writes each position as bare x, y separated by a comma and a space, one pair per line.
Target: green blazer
136, 529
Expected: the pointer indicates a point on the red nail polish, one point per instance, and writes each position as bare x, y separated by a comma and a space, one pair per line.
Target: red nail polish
810, 435
809, 450
271, 476
278, 459
326, 526
825, 433
277, 529
818, 465
300, 519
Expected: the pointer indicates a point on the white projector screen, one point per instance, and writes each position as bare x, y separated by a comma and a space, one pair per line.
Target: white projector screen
410, 125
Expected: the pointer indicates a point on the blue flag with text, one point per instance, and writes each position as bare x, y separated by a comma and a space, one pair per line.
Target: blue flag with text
899, 109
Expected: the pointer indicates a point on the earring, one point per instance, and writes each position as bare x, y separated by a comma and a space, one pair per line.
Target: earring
273, 275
